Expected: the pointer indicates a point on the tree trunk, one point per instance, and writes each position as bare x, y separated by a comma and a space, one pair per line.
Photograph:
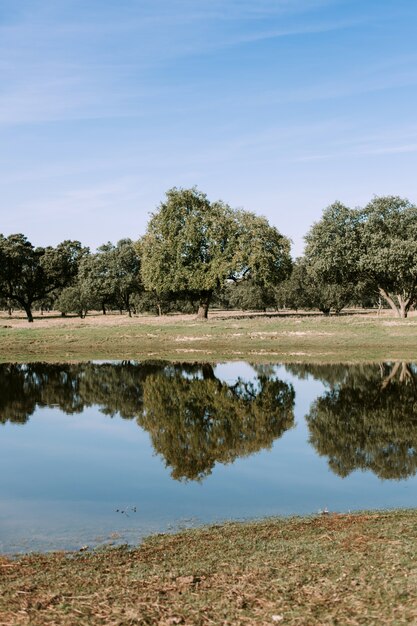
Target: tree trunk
404, 305
390, 301
401, 309
203, 307
159, 309
103, 308
28, 311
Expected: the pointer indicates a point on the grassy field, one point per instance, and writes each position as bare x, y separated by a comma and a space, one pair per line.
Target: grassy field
334, 569
313, 338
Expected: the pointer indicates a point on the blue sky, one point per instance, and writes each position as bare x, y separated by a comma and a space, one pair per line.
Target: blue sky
277, 106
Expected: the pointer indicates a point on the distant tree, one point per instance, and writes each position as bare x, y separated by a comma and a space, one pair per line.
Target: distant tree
376, 245
7, 305
247, 295
112, 275
306, 288
163, 303
29, 274
75, 299
193, 245
95, 278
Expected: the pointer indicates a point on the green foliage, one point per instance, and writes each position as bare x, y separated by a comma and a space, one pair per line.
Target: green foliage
75, 299
164, 303
375, 246
307, 289
246, 295
193, 245
112, 275
29, 274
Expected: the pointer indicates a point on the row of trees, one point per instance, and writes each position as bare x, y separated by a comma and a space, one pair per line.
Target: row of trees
366, 418
196, 251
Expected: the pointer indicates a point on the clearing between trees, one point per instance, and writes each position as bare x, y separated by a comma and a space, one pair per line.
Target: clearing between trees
231, 335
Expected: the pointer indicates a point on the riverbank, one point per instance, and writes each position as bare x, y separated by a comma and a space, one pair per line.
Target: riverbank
328, 569
225, 336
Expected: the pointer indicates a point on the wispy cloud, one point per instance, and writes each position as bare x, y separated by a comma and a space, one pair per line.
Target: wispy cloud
93, 64
396, 140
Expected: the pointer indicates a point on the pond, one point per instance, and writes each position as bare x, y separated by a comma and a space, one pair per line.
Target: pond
108, 452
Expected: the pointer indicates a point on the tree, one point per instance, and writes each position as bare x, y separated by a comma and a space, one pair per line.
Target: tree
29, 274
112, 275
124, 268
375, 246
75, 299
389, 250
193, 245
306, 289
246, 295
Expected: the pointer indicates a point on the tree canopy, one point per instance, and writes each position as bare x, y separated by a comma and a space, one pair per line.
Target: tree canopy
29, 274
375, 245
193, 245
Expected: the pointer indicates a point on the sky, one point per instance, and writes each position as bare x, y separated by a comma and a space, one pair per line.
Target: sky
279, 107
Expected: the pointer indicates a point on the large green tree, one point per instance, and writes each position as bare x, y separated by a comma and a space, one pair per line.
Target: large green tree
29, 274
375, 245
193, 245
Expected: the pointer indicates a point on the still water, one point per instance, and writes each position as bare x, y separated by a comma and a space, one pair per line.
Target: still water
106, 453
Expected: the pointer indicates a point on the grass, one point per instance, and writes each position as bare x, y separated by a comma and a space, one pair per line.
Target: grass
302, 338
334, 569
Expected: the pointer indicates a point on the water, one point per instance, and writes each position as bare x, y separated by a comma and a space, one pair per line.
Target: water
106, 453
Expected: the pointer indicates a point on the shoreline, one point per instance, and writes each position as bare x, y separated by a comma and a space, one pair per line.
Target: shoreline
339, 568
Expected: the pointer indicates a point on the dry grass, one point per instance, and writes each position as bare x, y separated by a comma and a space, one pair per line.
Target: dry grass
337, 569
231, 335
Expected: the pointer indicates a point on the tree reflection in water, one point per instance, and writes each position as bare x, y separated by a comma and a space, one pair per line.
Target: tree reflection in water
194, 419
197, 420
367, 419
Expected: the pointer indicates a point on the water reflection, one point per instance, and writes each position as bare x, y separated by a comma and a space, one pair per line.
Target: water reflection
194, 419
366, 419
197, 420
